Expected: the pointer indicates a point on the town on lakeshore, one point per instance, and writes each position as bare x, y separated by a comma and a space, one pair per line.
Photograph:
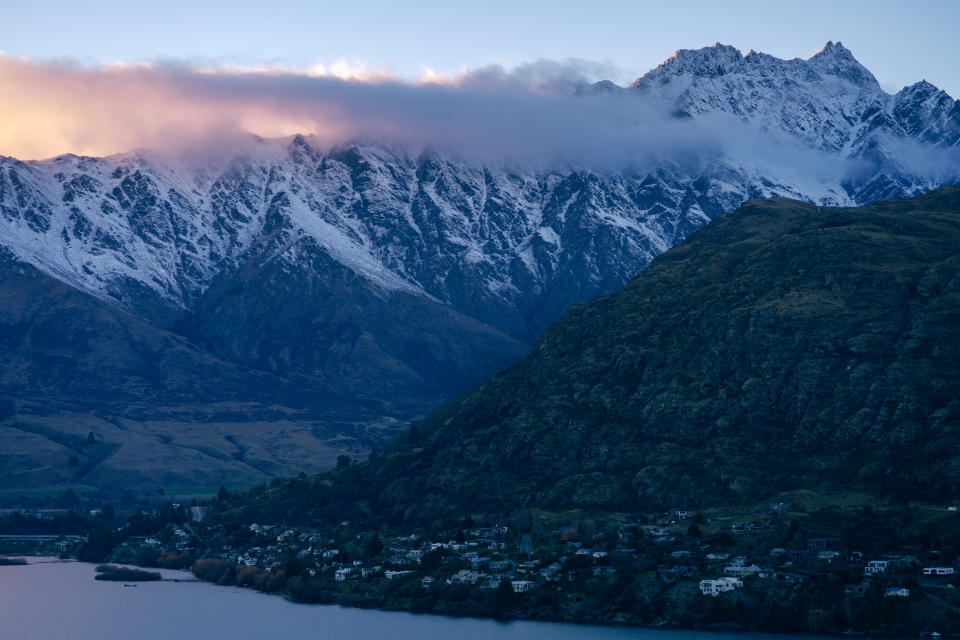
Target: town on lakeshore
789, 567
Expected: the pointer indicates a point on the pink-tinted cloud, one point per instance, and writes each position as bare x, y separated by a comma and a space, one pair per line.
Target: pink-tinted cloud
59, 107
532, 114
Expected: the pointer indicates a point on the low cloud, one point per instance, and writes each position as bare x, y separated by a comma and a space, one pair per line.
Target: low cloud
534, 114
527, 114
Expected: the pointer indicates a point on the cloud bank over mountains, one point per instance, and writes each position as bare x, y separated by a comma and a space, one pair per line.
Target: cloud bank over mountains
542, 115
535, 114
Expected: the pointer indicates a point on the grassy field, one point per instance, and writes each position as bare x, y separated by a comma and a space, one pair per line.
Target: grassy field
47, 492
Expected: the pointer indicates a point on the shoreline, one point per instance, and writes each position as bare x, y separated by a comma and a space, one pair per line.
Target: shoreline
169, 576
718, 629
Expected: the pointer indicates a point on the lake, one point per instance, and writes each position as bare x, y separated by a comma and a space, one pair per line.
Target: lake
55, 600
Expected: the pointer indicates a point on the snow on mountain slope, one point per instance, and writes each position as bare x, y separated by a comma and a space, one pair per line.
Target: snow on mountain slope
829, 102
510, 247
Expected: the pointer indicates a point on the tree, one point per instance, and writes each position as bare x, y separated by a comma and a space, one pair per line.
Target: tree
694, 530
293, 566
432, 560
579, 561
343, 461
68, 499
502, 601
725, 540
91, 439
212, 569
373, 548
99, 543
222, 494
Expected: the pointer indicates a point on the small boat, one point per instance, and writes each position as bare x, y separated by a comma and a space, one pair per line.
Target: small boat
130, 584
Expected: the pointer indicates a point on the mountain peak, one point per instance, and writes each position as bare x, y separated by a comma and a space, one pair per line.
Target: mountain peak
719, 59
836, 60
834, 49
922, 88
601, 88
715, 60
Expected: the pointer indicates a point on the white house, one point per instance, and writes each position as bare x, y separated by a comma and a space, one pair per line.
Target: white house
938, 571
520, 586
390, 575
875, 567
716, 586
740, 571
551, 573
343, 573
897, 592
465, 577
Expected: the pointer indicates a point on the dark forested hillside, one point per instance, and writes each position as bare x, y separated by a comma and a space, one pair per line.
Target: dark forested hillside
784, 346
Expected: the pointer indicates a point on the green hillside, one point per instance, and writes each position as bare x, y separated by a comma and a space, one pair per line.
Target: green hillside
784, 346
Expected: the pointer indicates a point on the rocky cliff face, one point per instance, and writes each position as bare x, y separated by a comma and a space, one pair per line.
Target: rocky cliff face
401, 277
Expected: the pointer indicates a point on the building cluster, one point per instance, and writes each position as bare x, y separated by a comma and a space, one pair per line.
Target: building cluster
484, 557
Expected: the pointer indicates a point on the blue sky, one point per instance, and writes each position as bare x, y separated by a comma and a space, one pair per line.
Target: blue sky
901, 42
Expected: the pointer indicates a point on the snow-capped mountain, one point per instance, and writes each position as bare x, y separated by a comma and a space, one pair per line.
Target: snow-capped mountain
403, 276
829, 103
510, 247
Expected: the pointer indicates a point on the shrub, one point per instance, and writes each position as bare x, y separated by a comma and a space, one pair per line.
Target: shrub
215, 570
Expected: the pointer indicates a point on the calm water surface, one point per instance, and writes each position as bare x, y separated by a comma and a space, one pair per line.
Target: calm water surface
52, 600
